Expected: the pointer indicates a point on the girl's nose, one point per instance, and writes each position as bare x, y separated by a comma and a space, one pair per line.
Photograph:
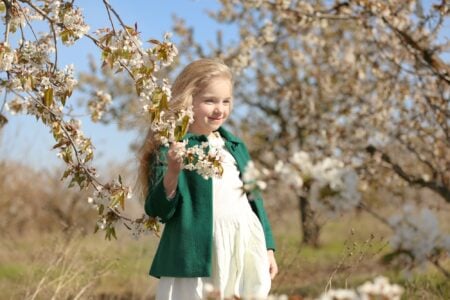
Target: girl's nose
217, 110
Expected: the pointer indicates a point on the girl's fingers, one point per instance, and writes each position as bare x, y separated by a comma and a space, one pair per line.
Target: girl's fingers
176, 146
174, 161
273, 270
273, 267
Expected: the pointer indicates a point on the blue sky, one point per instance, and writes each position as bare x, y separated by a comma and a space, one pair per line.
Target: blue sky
23, 139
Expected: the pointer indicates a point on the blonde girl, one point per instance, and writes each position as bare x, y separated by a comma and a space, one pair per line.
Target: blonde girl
214, 236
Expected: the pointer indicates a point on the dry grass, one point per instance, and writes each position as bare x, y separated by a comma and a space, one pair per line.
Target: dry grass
75, 266
48, 250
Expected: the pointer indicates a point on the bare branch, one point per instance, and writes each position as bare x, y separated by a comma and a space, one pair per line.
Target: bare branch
441, 190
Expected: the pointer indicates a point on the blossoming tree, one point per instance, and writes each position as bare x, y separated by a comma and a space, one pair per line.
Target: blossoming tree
346, 93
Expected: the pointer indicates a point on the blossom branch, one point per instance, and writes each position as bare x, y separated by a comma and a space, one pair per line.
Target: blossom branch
67, 135
41, 90
436, 65
109, 7
434, 186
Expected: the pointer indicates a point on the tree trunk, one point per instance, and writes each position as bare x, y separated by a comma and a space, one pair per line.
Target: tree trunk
310, 227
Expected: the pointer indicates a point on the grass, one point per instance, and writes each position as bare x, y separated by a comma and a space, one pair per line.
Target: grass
47, 263
11, 272
44, 264
350, 254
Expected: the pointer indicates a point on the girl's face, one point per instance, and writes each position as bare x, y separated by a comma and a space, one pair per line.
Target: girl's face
211, 106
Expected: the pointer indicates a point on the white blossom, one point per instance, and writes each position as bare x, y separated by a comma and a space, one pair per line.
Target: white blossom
99, 104
268, 32
339, 294
335, 188
380, 288
253, 178
166, 51
7, 56
74, 25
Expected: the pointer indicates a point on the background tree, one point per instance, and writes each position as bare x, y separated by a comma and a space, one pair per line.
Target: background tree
360, 80
364, 81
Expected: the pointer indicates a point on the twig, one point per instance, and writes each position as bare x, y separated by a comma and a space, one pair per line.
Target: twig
86, 171
4, 100
29, 24
107, 6
8, 6
56, 47
96, 42
106, 2
441, 268
441, 190
374, 214
434, 63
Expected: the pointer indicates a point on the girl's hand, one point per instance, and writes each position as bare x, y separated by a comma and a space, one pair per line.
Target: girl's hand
174, 166
273, 268
174, 163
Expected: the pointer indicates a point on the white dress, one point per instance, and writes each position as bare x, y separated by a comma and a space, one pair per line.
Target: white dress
240, 265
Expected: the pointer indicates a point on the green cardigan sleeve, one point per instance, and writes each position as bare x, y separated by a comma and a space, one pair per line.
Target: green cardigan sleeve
258, 207
156, 202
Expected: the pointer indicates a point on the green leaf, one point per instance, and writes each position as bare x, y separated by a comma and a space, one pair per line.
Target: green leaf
67, 155
156, 42
57, 145
3, 121
66, 95
89, 157
177, 133
185, 124
138, 85
155, 114
48, 97
65, 36
66, 173
122, 200
164, 104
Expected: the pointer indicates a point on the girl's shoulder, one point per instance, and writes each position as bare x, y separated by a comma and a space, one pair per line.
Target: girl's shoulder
228, 136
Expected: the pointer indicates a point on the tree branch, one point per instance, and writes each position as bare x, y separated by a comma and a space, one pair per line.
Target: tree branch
437, 66
441, 190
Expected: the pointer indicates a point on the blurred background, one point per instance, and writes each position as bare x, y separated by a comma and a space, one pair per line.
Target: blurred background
363, 82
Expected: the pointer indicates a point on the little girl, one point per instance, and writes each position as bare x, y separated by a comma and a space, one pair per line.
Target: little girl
213, 234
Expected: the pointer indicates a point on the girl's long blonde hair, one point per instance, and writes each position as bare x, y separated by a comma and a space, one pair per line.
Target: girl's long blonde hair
192, 79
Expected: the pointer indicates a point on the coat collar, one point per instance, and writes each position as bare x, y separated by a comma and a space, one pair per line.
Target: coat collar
223, 132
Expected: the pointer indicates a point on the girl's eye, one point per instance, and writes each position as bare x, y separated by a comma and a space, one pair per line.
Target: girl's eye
209, 101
